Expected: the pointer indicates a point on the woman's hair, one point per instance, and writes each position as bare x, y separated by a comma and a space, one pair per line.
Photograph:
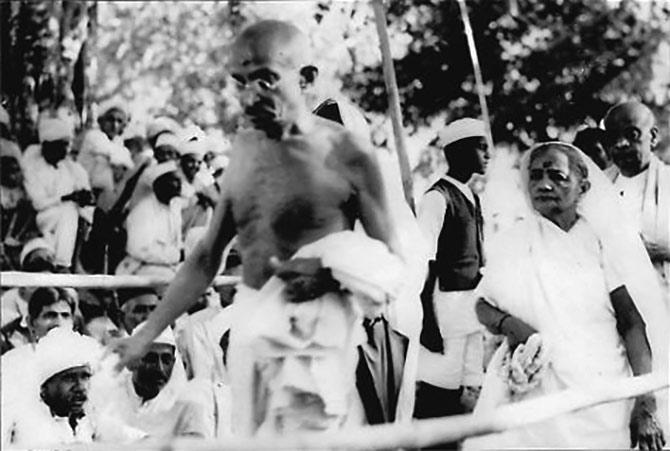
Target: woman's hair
46, 296
575, 160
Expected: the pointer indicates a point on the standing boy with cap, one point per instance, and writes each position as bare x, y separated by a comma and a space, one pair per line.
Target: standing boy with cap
450, 217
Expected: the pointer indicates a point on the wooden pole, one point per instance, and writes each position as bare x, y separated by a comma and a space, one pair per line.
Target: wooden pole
478, 73
393, 100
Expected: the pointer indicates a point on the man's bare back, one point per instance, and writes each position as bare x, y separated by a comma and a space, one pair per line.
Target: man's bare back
285, 194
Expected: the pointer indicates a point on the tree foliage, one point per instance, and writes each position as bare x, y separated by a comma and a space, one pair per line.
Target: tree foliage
546, 65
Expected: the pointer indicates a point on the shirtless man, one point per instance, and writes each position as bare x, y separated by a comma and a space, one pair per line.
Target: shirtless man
293, 178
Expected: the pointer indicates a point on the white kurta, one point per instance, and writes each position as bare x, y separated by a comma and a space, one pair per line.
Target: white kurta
45, 185
646, 199
461, 363
154, 237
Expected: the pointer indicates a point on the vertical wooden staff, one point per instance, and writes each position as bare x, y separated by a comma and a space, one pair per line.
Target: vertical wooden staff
393, 99
478, 73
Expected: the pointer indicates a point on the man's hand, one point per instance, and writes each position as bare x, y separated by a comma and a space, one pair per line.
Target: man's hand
130, 350
81, 197
645, 431
305, 278
516, 331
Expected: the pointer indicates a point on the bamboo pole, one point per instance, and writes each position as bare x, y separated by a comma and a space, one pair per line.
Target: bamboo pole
394, 100
108, 282
479, 80
423, 433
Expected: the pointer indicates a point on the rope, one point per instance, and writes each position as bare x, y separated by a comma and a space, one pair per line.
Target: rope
421, 433
108, 282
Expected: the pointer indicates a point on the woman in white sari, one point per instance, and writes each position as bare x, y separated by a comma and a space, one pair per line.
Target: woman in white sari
571, 289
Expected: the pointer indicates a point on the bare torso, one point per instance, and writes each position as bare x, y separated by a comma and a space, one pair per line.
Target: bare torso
285, 194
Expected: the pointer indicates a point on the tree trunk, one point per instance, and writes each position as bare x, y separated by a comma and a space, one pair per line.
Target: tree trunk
41, 44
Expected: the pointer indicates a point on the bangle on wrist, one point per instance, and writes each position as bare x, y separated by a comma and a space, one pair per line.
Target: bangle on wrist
498, 327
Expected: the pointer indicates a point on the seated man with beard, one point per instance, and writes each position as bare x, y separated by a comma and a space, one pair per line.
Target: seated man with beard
153, 396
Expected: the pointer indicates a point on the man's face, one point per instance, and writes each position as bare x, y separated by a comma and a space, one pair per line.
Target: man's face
55, 151
553, 186
57, 314
154, 370
631, 136
118, 172
66, 392
165, 153
190, 166
167, 186
469, 155
270, 81
113, 123
137, 310
10, 172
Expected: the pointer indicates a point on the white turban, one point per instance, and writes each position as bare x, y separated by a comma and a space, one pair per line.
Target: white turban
165, 337
62, 349
4, 116
155, 171
55, 129
461, 129
168, 139
10, 149
33, 245
192, 146
120, 156
161, 124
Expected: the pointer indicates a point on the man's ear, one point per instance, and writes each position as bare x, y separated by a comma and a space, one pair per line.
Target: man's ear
585, 187
654, 136
308, 76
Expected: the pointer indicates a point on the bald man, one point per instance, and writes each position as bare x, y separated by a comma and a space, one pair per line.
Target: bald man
293, 179
642, 179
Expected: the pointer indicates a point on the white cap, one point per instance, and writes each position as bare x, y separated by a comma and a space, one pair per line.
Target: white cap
33, 245
161, 124
168, 139
62, 349
461, 129
55, 129
155, 171
192, 146
165, 337
4, 116
120, 156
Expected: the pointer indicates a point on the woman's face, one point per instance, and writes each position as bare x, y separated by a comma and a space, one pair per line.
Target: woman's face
554, 187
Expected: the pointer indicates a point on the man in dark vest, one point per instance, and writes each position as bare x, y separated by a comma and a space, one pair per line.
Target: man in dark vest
451, 359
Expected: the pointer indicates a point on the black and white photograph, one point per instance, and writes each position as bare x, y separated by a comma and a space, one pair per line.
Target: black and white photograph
335, 224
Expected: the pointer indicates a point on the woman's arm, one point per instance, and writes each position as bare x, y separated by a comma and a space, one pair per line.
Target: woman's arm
644, 428
499, 322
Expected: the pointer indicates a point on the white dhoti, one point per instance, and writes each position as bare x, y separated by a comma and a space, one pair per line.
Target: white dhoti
293, 365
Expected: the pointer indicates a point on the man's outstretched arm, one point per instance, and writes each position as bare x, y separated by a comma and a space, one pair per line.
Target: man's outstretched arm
194, 276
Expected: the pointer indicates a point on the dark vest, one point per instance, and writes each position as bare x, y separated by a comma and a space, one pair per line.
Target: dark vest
459, 246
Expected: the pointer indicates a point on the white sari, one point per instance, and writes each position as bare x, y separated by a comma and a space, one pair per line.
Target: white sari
559, 283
